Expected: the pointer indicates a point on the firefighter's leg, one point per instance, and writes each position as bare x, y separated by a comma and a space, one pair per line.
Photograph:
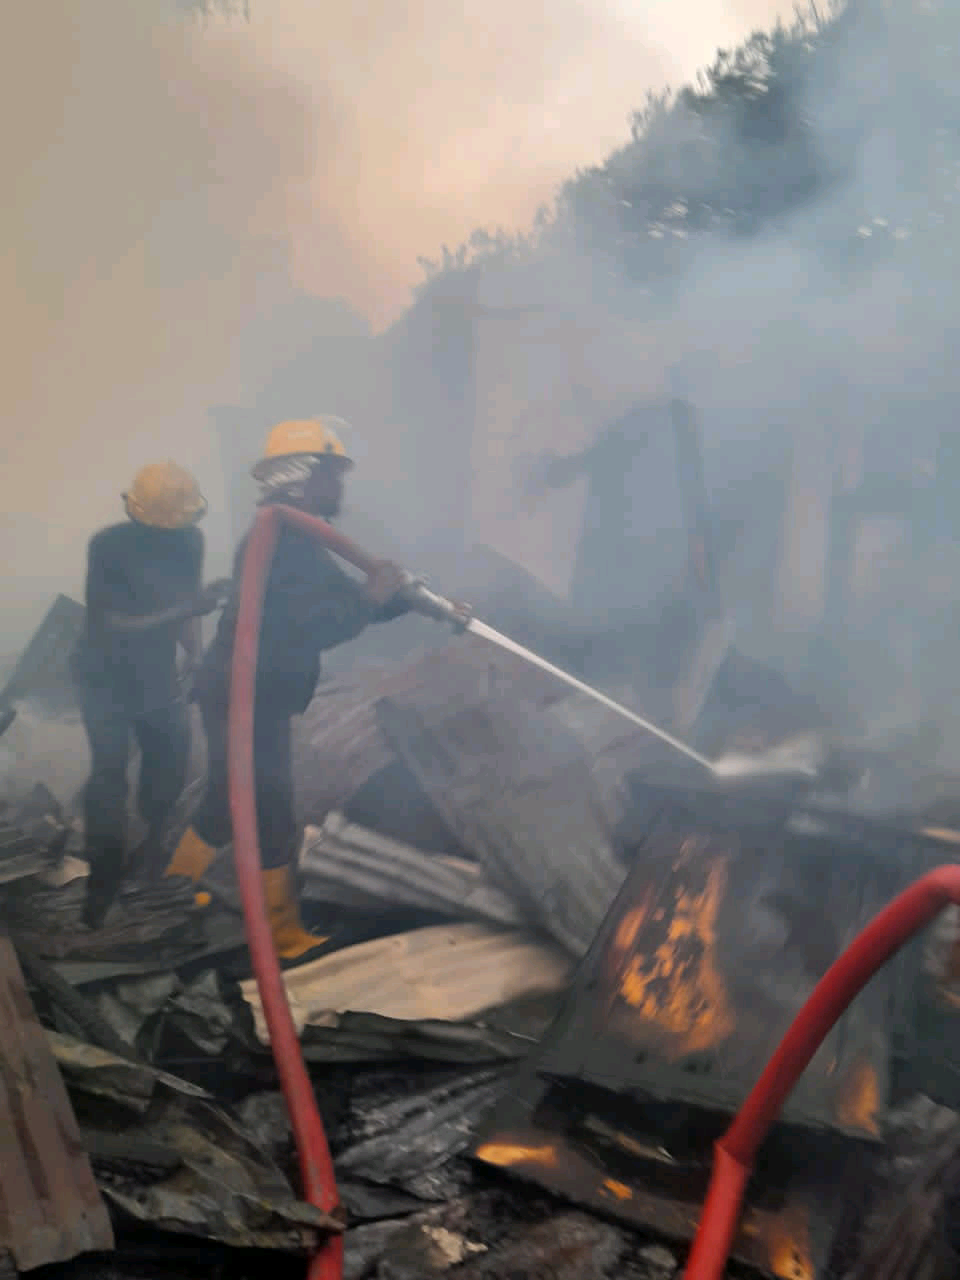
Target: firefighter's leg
278, 838
209, 828
164, 740
105, 797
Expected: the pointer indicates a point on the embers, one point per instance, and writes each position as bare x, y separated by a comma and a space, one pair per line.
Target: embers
648, 1166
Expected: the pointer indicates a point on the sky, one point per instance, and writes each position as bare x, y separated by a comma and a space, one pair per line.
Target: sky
173, 185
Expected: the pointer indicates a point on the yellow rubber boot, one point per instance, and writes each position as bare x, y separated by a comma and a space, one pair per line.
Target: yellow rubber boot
292, 941
191, 859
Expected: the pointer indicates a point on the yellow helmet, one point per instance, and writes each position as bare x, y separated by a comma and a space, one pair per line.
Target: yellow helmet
165, 496
310, 437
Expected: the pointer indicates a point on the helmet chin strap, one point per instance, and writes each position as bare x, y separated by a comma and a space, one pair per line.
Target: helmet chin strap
286, 477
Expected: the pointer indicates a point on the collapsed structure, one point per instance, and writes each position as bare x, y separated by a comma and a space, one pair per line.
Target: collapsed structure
558, 960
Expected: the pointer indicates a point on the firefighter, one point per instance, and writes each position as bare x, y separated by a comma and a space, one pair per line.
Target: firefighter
310, 605
143, 596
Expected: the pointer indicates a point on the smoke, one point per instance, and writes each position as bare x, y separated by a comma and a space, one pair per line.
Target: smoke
174, 186
818, 349
441, 118
143, 228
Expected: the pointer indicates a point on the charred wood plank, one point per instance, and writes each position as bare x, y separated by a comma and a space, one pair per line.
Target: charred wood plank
713, 944
400, 1132
912, 1239
711, 950
601, 1152
50, 1209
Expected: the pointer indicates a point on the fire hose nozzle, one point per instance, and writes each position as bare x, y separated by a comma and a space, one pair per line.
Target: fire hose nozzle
422, 600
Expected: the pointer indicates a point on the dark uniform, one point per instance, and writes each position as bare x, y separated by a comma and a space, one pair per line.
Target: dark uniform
128, 681
310, 605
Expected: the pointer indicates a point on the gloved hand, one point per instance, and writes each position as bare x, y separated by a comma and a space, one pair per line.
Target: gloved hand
212, 597
462, 614
385, 581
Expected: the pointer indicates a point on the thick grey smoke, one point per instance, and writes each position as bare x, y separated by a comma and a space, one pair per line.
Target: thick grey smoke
173, 185
144, 229
818, 349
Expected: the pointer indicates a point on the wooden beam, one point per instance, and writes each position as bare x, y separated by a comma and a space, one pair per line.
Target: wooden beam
50, 1208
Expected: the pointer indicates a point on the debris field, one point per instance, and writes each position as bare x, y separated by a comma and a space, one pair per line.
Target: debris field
557, 962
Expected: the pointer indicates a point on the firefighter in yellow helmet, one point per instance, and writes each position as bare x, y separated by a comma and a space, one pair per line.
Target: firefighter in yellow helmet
311, 605
144, 596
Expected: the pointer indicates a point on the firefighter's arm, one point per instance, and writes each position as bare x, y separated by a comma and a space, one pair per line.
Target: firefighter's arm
191, 634
384, 588
205, 601
343, 608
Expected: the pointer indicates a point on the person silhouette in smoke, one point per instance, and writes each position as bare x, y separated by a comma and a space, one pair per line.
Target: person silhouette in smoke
310, 605
606, 574
144, 598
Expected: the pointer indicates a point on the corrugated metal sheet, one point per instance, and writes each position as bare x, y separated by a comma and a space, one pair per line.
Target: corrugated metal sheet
401, 1129
32, 837
339, 740
451, 972
348, 865
206, 1177
50, 1209
909, 1227
517, 792
366, 1037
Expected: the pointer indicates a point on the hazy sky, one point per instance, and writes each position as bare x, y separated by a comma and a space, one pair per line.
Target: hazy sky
433, 117
170, 183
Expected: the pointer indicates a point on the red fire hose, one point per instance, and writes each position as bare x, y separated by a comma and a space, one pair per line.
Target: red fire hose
316, 1166
734, 1153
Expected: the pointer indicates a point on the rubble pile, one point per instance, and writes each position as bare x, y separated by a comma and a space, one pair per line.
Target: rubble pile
555, 965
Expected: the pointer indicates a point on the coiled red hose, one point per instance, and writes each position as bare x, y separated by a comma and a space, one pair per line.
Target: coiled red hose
734, 1153
316, 1166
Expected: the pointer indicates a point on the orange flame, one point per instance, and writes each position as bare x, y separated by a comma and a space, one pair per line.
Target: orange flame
858, 1101
679, 987
507, 1154
788, 1242
618, 1189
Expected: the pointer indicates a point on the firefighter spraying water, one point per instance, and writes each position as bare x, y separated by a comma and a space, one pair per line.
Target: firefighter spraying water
413, 595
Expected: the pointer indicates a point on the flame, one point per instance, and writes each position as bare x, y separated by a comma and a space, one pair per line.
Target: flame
507, 1154
628, 930
618, 1189
788, 1244
858, 1100
679, 987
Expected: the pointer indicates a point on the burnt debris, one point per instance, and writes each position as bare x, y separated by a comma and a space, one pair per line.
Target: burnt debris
557, 962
